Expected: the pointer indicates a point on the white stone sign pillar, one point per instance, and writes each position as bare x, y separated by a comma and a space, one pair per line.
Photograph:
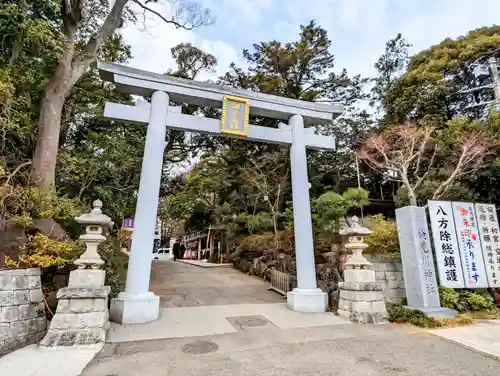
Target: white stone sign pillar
137, 304
489, 231
418, 262
469, 244
307, 297
445, 244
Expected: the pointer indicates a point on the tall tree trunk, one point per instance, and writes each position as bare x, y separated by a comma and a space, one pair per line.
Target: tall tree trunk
49, 125
71, 67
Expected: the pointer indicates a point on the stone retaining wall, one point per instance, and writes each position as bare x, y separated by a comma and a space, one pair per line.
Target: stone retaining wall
22, 312
389, 275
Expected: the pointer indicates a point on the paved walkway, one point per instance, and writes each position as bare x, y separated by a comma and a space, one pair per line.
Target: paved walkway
182, 285
340, 350
199, 301
221, 322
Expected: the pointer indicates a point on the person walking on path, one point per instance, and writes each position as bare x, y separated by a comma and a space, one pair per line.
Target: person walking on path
176, 249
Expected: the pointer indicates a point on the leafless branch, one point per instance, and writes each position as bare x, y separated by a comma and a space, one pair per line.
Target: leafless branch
182, 17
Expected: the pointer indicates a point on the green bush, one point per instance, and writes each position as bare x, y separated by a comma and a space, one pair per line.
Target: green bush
384, 236
465, 300
115, 265
403, 315
254, 246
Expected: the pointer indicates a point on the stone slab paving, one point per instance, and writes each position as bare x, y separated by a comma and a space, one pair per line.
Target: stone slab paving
340, 350
43, 361
204, 264
483, 337
211, 320
199, 302
182, 285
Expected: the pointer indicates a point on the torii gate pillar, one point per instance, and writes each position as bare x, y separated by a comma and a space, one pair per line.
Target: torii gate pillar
137, 304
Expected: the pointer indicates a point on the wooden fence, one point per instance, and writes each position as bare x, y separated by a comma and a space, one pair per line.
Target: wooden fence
281, 282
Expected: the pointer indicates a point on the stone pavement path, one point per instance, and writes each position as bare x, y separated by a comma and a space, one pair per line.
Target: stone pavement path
340, 350
183, 285
199, 301
221, 322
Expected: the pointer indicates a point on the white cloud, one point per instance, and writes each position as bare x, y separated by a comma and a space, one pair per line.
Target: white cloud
152, 40
359, 29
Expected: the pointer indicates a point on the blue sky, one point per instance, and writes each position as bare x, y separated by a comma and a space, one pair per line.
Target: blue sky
358, 28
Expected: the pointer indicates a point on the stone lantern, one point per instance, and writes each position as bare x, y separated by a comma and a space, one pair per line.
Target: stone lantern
95, 224
361, 298
82, 315
355, 234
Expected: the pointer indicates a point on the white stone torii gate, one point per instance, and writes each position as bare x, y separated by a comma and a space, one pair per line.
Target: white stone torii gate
137, 304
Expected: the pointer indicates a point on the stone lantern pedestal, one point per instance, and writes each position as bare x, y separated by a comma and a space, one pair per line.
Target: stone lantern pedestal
82, 316
361, 298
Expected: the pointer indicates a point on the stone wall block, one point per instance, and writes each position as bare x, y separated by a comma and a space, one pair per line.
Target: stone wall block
18, 329
21, 297
394, 284
32, 326
20, 282
9, 314
399, 275
389, 267
33, 272
4, 331
33, 282
379, 276
25, 311
38, 309
399, 266
6, 298
41, 323
14, 272
390, 276
63, 305
36, 295
6, 282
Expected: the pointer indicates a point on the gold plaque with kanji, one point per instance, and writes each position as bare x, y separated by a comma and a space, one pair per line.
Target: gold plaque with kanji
235, 114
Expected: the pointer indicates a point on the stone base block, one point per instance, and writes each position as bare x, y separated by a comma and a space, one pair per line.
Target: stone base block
74, 337
364, 317
135, 309
307, 300
359, 275
87, 320
437, 312
362, 303
87, 277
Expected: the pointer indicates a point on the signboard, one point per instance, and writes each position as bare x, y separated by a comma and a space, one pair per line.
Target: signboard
128, 223
487, 222
235, 114
417, 259
446, 245
469, 244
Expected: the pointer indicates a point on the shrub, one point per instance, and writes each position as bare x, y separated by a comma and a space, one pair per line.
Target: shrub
384, 236
403, 315
42, 252
115, 265
254, 246
465, 300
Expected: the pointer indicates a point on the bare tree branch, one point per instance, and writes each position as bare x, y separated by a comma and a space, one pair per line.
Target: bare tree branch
411, 152
188, 17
